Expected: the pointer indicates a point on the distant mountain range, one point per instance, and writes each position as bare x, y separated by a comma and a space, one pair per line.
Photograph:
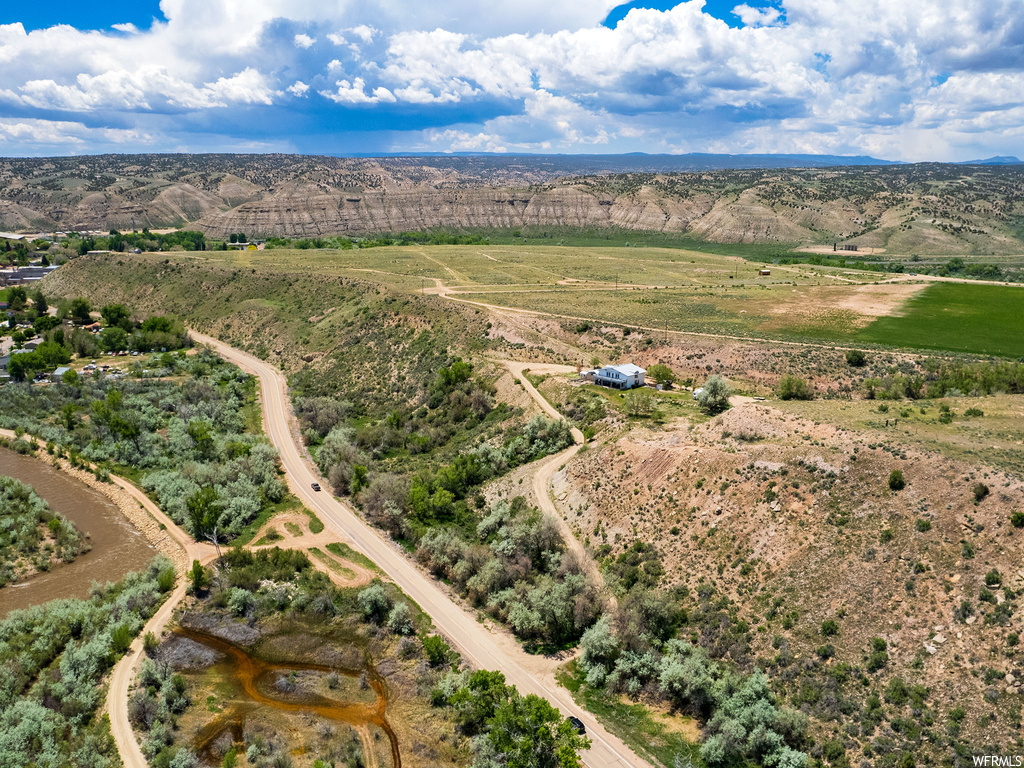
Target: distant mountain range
997, 160
641, 162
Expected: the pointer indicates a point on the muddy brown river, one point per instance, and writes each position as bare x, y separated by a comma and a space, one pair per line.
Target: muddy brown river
117, 547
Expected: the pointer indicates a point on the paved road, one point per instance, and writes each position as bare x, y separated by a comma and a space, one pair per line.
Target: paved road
481, 647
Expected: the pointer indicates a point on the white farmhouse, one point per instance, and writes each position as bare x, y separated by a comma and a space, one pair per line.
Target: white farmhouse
624, 376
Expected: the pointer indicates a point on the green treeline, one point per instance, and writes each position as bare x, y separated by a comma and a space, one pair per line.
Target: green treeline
401, 238
144, 241
955, 267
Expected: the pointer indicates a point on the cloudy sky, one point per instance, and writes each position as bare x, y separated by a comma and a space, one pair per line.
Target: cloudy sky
897, 79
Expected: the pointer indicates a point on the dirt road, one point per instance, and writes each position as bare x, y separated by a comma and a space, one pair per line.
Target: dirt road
547, 467
482, 648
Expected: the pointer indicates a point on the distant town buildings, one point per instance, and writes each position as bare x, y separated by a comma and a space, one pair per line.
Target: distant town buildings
24, 275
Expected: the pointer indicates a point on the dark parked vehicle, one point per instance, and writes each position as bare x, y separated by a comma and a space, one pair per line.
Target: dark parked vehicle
316, 486
576, 723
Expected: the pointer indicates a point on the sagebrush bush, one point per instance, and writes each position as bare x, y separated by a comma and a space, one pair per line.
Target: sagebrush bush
794, 388
896, 481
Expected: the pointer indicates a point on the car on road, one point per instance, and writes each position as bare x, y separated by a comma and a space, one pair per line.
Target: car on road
315, 486
576, 723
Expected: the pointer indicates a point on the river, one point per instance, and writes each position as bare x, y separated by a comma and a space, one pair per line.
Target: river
117, 547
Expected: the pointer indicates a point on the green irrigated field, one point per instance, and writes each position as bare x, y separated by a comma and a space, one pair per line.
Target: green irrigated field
960, 317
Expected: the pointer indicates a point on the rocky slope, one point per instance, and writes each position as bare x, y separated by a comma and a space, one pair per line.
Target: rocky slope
921, 208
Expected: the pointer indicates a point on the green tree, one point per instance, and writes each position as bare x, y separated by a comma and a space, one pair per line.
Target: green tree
45, 323
113, 339
527, 732
198, 577
202, 433
856, 358
374, 602
437, 650
639, 402
115, 314
477, 702
39, 303
661, 374
714, 395
81, 311
204, 511
896, 481
16, 299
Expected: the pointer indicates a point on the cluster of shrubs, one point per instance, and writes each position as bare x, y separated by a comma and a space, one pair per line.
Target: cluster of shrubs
506, 728
25, 522
179, 437
454, 404
159, 699
54, 658
945, 378
743, 722
516, 567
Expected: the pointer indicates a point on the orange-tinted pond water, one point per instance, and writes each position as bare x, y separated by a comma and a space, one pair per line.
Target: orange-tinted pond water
255, 683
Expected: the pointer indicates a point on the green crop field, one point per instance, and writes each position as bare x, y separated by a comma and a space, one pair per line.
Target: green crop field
960, 317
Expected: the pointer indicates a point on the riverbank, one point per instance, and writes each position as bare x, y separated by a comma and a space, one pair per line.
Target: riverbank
131, 501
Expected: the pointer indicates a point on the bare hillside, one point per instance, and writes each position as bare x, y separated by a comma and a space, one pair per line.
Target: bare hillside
906, 209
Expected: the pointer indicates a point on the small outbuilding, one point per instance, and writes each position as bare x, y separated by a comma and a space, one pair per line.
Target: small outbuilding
764, 272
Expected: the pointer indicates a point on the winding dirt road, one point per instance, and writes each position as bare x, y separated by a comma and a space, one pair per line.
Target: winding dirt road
482, 647
546, 469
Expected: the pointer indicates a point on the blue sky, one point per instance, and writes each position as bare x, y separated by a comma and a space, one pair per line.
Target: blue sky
914, 80
82, 15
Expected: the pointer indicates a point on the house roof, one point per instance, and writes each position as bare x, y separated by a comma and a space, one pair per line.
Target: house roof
628, 369
61, 371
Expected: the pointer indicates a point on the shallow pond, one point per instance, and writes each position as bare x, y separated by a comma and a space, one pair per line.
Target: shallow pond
255, 683
117, 547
